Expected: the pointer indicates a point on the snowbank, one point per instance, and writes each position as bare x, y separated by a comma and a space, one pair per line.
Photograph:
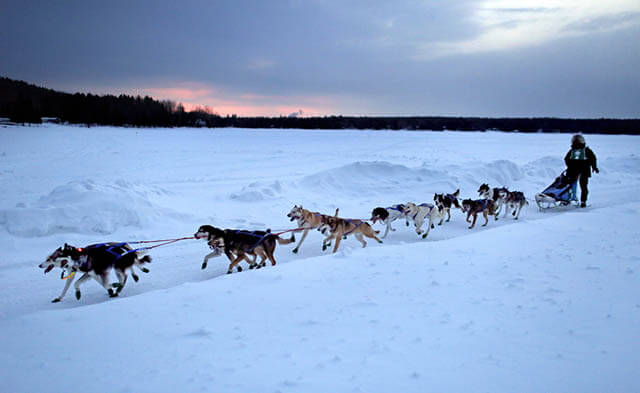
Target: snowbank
84, 206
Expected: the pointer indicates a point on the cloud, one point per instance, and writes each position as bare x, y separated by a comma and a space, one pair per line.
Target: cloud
514, 24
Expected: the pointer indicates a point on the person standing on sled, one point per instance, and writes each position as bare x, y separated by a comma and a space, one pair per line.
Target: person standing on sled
580, 160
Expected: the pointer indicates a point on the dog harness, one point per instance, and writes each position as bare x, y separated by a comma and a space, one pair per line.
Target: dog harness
117, 250
350, 221
395, 207
255, 236
423, 205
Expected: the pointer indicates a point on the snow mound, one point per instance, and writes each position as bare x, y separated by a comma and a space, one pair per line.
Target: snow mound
83, 206
375, 177
258, 191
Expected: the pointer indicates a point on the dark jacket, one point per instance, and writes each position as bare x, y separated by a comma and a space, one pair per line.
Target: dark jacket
580, 160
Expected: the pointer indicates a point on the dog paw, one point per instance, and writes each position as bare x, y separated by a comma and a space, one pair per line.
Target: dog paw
239, 268
295, 250
229, 272
56, 300
204, 266
424, 236
144, 269
78, 295
135, 277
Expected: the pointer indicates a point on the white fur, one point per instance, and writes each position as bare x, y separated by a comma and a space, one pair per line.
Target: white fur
421, 213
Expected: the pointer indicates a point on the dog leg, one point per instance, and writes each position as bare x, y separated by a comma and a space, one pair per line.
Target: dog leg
361, 239
475, 216
424, 235
486, 218
82, 279
387, 231
122, 280
213, 254
338, 240
134, 275
304, 236
233, 263
519, 208
448, 214
64, 290
271, 258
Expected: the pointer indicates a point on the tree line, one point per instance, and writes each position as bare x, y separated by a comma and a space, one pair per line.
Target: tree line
26, 103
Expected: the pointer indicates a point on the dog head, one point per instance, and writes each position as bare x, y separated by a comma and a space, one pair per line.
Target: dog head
62, 257
379, 213
207, 231
329, 225
467, 205
295, 213
439, 200
483, 191
410, 208
500, 193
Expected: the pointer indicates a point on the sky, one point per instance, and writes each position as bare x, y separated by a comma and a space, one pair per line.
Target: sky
494, 58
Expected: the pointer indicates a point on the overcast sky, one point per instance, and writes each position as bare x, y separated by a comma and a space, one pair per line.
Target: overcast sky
565, 58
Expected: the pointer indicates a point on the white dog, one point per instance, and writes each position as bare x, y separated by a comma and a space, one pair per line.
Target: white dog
421, 213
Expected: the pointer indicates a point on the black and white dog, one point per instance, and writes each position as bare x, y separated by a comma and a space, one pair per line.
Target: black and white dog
96, 261
388, 215
515, 201
445, 202
497, 194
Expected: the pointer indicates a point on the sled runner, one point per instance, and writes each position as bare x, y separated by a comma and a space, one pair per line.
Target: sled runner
561, 192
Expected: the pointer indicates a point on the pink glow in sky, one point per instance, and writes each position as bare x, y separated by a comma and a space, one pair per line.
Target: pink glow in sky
194, 95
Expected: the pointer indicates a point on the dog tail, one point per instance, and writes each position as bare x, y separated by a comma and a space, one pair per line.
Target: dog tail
455, 194
286, 241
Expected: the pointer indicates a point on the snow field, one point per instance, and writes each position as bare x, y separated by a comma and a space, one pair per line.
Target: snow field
550, 302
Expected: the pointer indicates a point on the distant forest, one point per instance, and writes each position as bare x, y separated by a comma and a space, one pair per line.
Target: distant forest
21, 102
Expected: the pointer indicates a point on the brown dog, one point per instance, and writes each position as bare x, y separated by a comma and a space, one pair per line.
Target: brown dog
239, 244
307, 220
339, 228
472, 208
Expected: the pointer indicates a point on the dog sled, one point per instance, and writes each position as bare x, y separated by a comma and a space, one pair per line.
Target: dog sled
562, 192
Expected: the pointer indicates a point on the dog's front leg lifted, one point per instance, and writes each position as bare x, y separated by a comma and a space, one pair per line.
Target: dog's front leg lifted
64, 290
213, 254
304, 236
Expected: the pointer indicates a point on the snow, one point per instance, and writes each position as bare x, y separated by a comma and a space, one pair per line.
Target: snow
550, 302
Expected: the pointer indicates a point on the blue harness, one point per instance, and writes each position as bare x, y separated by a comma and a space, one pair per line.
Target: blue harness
255, 236
423, 205
113, 249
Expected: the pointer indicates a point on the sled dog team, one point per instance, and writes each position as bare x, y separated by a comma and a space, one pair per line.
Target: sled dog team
96, 261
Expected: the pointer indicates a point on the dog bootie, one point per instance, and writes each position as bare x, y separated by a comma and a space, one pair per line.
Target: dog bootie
583, 204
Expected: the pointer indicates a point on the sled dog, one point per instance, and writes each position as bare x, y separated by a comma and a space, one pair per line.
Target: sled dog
388, 215
445, 202
497, 194
484, 206
421, 213
96, 261
239, 244
307, 220
339, 228
515, 201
